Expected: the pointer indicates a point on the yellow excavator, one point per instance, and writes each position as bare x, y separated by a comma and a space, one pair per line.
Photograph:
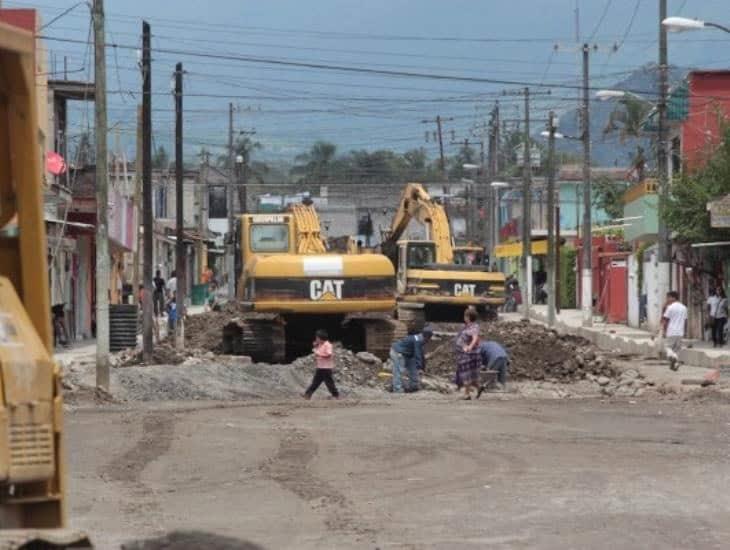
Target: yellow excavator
290, 285
32, 465
427, 274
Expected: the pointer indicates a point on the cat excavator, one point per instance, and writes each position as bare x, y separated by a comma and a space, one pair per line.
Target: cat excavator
430, 285
32, 464
289, 285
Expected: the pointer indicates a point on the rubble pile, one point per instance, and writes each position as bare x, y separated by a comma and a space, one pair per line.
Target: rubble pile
205, 331
536, 353
351, 369
163, 353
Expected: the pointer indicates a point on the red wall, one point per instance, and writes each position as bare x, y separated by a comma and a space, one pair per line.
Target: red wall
25, 19
709, 98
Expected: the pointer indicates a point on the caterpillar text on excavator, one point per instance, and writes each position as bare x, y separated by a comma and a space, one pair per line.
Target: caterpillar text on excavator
427, 274
32, 465
290, 285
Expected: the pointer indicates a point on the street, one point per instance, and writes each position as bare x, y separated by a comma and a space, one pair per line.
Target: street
407, 473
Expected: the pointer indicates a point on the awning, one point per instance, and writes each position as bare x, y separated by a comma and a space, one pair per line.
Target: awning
51, 219
512, 250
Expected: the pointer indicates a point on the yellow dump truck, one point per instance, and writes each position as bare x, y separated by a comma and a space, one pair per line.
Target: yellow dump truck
32, 472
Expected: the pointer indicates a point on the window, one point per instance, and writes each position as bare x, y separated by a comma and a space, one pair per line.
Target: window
420, 255
270, 237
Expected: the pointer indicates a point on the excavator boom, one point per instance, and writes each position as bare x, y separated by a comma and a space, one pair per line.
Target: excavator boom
416, 203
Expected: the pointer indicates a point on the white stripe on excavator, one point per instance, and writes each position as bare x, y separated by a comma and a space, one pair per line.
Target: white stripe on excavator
323, 266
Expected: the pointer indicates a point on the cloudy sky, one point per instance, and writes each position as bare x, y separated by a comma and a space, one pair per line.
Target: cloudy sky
280, 62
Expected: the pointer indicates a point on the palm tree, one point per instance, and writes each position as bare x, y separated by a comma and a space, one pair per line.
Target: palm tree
630, 118
316, 164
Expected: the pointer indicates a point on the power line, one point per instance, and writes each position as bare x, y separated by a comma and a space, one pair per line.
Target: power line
338, 68
606, 7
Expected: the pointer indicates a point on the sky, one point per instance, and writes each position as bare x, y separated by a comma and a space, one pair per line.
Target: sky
230, 51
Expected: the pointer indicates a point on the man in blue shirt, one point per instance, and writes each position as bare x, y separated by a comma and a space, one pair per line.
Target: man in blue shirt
409, 352
494, 357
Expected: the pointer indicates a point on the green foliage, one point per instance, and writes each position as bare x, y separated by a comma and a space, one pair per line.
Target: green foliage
640, 263
322, 164
686, 210
608, 195
466, 155
567, 277
628, 118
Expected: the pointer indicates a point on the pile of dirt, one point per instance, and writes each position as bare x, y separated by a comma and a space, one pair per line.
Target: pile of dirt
205, 330
163, 353
536, 353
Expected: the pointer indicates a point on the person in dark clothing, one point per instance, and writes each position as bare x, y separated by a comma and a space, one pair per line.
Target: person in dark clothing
324, 356
158, 294
408, 352
494, 357
720, 319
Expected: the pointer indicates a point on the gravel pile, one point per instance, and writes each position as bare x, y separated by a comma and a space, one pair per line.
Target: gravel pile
536, 353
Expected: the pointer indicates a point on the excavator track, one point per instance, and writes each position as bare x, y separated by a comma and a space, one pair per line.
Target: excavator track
260, 336
376, 332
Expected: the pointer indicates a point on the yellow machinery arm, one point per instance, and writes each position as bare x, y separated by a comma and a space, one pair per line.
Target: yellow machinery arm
307, 230
416, 203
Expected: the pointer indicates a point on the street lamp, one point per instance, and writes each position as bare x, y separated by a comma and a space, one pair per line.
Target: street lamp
681, 24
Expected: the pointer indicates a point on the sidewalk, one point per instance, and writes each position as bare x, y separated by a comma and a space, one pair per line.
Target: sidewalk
85, 350
631, 340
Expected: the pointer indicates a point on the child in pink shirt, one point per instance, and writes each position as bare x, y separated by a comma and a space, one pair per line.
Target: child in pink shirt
325, 363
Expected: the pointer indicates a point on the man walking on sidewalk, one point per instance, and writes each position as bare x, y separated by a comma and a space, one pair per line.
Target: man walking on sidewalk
673, 324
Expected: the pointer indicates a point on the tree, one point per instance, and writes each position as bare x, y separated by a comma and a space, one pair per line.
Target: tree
608, 195
466, 155
629, 118
685, 212
160, 158
316, 164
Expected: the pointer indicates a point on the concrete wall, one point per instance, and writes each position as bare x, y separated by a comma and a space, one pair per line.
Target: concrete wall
646, 208
633, 291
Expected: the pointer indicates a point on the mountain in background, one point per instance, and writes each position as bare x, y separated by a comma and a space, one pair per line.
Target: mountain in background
607, 148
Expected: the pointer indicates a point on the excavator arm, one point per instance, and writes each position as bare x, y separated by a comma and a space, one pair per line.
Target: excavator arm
416, 203
307, 230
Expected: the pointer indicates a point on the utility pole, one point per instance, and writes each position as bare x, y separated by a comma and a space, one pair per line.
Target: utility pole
526, 260
551, 273
230, 245
102, 227
147, 220
494, 193
587, 256
663, 270
442, 159
137, 204
243, 183
180, 256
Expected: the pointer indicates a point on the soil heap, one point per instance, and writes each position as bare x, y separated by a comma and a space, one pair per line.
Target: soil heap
536, 353
205, 331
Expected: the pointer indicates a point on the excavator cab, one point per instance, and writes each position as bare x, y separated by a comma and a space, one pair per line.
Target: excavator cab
32, 496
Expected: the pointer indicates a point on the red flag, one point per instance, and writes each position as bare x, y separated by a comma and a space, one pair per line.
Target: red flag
55, 163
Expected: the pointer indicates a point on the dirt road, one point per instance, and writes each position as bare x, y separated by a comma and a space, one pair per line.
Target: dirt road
407, 473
